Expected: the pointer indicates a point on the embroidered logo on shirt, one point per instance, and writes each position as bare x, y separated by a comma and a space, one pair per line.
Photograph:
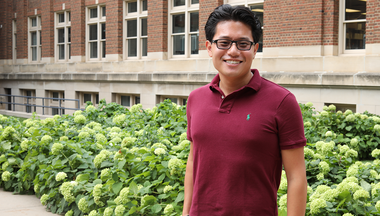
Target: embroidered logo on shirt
248, 117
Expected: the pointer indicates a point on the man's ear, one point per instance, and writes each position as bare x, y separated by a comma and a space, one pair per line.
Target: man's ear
256, 47
208, 47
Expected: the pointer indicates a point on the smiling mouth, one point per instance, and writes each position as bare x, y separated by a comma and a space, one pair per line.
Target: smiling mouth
232, 62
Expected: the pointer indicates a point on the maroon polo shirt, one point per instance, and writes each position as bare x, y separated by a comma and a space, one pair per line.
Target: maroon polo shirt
237, 142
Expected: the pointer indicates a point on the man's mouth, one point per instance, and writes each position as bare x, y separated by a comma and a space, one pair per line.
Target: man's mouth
232, 62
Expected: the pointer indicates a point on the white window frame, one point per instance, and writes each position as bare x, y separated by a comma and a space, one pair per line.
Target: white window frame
38, 45
342, 31
248, 3
93, 98
132, 99
185, 9
66, 25
14, 41
138, 16
99, 20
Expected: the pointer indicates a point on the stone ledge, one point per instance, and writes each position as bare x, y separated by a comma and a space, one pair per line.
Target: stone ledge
282, 78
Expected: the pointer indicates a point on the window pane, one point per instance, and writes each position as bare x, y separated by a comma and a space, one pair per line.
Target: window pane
125, 100
178, 44
355, 35
144, 51
194, 43
174, 100
131, 28
137, 100
93, 32
34, 38
194, 22
104, 11
103, 49
93, 12
184, 101
61, 51
103, 31
34, 22
86, 97
94, 50
132, 47
179, 2
69, 45
69, 34
39, 32
144, 5
61, 18
28, 93
69, 15
55, 95
144, 27
355, 9
194, 1
259, 11
61, 35
97, 99
132, 7
34, 53
54, 111
179, 23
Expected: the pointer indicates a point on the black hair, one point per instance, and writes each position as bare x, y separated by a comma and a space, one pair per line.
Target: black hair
227, 12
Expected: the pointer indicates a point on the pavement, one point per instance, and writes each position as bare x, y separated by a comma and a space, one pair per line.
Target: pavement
21, 205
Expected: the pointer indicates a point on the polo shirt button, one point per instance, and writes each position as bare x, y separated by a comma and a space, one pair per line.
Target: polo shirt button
222, 97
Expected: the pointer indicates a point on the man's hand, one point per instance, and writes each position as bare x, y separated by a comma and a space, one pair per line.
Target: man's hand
294, 163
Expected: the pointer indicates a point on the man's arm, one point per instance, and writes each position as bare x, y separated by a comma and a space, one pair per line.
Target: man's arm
188, 183
294, 163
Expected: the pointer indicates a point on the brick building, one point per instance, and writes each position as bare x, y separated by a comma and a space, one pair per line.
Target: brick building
144, 51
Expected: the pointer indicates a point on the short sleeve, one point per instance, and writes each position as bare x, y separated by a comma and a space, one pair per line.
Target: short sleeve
290, 124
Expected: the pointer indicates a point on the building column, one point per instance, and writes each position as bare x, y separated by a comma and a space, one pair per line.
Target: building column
47, 31
78, 30
373, 28
114, 34
158, 29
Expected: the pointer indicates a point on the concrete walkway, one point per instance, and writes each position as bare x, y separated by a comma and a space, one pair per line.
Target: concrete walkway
21, 205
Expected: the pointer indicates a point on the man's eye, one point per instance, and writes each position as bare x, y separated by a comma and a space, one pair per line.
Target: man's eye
224, 43
244, 44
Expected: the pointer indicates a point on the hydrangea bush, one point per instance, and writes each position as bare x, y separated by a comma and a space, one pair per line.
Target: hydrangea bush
108, 160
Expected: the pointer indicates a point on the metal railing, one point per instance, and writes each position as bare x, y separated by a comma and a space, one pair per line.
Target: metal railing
28, 105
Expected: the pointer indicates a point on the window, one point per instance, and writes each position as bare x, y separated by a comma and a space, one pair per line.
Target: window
56, 102
136, 35
184, 28
14, 41
29, 101
257, 6
92, 97
34, 39
96, 33
126, 100
63, 36
353, 26
8, 91
179, 100
343, 107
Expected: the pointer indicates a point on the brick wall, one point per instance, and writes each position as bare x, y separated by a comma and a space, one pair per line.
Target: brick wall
330, 22
205, 8
47, 29
157, 25
22, 29
6, 30
114, 27
78, 38
373, 22
292, 23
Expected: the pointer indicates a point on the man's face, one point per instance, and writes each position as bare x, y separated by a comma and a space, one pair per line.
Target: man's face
232, 63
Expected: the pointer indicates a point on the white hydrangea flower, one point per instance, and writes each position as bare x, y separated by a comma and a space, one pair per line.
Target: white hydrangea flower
60, 176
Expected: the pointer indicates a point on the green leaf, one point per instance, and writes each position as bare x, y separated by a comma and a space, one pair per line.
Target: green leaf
132, 210
83, 166
348, 128
282, 212
98, 181
7, 146
156, 208
133, 187
365, 185
117, 187
180, 197
121, 164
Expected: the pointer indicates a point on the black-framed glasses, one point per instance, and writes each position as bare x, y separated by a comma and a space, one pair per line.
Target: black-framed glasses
225, 44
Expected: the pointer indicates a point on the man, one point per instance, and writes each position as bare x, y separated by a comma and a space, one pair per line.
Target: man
242, 129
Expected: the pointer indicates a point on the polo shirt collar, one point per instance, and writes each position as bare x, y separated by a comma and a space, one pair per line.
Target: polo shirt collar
254, 83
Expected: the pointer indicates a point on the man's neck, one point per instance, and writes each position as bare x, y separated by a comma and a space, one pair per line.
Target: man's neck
228, 85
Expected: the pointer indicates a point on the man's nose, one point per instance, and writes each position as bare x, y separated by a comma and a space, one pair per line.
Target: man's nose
233, 50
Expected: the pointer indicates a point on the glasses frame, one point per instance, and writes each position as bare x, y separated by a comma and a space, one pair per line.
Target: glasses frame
232, 41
